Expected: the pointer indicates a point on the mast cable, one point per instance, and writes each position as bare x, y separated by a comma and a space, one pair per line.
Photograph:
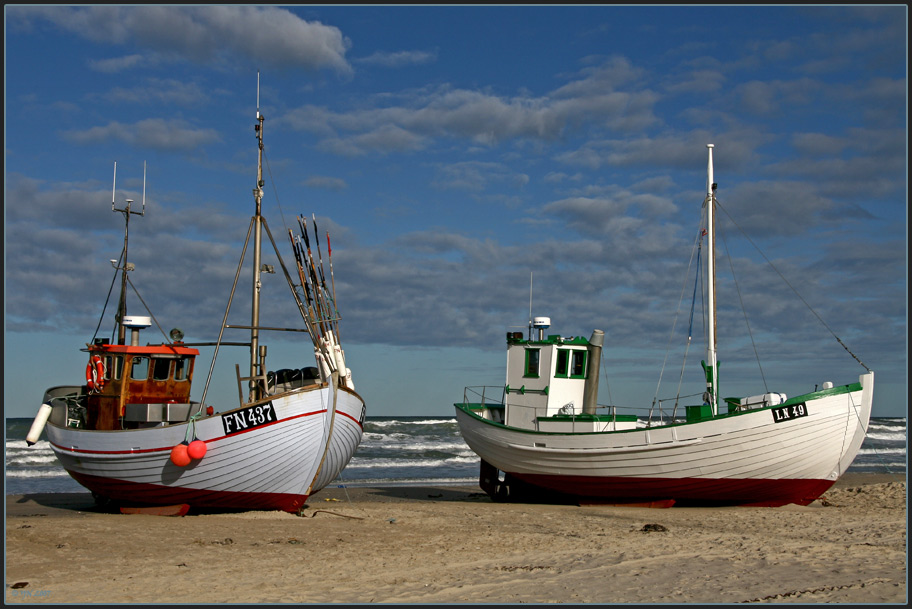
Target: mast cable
148, 310
674, 324
744, 311
107, 300
849, 351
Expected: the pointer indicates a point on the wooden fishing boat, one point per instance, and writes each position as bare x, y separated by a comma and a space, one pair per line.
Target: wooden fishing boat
131, 434
544, 435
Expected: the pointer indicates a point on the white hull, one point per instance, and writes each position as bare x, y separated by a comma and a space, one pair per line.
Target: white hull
271, 464
745, 458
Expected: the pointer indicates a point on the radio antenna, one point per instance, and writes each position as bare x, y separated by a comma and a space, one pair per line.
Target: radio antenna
530, 305
114, 186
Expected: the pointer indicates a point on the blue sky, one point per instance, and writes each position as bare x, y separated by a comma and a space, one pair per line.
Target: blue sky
452, 152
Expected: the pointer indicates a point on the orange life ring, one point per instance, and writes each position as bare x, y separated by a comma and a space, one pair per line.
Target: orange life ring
95, 379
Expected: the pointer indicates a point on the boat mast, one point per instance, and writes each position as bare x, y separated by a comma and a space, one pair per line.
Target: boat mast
257, 238
711, 363
126, 211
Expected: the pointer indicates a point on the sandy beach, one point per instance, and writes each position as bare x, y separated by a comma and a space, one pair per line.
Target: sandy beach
435, 545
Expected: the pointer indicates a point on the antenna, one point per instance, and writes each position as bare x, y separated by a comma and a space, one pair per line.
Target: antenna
129, 202
258, 94
530, 305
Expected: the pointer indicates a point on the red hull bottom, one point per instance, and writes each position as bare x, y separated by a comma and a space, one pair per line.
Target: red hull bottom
683, 491
652, 492
159, 510
135, 493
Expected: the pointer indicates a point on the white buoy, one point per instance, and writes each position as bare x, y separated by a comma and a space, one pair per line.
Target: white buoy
44, 411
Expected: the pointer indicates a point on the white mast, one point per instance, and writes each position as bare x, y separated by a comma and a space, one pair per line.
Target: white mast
255, 355
711, 363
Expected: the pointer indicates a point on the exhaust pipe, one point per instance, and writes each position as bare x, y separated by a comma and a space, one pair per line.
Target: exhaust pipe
590, 391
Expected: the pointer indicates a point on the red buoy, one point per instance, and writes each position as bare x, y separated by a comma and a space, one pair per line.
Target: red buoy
197, 449
179, 456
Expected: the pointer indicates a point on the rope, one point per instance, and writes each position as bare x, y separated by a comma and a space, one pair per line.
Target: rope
793, 289
674, 325
275, 191
107, 300
315, 512
192, 425
744, 311
148, 310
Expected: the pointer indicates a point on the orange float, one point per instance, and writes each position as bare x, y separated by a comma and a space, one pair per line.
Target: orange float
196, 449
179, 456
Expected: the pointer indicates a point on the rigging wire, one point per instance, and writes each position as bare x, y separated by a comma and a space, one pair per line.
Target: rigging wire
744, 310
839, 340
275, 191
693, 302
674, 324
148, 310
107, 299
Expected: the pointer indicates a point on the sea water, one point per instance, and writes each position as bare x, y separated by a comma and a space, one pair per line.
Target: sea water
398, 451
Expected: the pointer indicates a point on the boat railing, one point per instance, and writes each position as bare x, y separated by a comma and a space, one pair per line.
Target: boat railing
655, 416
658, 415
485, 395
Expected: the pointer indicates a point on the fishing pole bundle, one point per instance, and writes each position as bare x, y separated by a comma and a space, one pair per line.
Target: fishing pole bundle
318, 306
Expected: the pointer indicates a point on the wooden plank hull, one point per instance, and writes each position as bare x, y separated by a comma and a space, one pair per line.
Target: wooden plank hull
271, 463
745, 459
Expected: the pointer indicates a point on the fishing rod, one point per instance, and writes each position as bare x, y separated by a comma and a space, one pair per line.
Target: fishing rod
332, 279
320, 305
308, 308
332, 311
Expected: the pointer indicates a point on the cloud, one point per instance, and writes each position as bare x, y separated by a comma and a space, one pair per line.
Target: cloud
269, 36
384, 139
155, 133
325, 183
118, 64
484, 118
675, 150
398, 59
476, 176
160, 91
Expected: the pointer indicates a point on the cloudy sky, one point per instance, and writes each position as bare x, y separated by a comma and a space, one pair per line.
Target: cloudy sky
458, 155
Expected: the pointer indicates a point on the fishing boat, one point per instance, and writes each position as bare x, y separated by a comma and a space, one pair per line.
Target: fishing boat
543, 435
131, 434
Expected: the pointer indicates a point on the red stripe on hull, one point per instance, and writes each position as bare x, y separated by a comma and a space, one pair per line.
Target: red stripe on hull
142, 493
683, 491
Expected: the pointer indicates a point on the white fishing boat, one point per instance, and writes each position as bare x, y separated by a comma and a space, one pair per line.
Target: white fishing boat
132, 436
544, 435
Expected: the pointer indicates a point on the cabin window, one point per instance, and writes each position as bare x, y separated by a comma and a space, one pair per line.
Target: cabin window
563, 363
578, 365
161, 369
533, 357
140, 368
181, 368
113, 367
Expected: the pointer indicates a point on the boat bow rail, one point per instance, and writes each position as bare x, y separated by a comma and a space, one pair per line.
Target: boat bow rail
489, 402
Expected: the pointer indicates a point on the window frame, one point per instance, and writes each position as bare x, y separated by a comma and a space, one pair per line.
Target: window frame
584, 355
527, 372
562, 361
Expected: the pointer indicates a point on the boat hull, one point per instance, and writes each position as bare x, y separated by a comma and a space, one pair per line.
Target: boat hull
268, 456
748, 458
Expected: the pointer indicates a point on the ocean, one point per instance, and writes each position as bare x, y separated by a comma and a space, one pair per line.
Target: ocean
398, 451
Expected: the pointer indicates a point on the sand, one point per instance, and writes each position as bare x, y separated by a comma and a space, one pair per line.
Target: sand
451, 545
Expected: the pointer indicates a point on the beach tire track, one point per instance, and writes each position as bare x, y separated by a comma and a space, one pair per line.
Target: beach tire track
797, 593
